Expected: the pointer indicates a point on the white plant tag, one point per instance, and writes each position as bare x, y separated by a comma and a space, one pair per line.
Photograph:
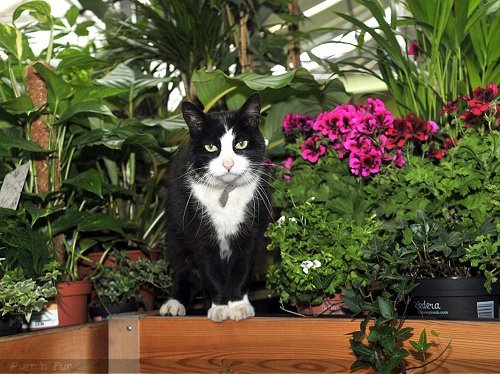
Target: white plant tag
48, 317
12, 187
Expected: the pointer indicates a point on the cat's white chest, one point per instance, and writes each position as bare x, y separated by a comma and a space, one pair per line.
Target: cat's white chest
225, 219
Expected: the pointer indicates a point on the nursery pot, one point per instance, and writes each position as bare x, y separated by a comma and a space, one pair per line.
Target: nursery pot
98, 313
454, 298
331, 305
68, 308
9, 327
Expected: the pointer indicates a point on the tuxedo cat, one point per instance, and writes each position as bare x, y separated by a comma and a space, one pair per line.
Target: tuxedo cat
217, 209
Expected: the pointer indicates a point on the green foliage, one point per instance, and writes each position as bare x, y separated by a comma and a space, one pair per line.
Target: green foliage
485, 256
294, 91
21, 296
456, 45
319, 253
103, 164
121, 282
21, 245
461, 191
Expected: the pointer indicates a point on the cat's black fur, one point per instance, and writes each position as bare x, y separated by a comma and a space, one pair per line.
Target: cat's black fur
193, 246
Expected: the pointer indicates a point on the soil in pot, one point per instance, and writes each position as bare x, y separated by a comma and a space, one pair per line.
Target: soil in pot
8, 327
454, 298
99, 313
331, 305
68, 308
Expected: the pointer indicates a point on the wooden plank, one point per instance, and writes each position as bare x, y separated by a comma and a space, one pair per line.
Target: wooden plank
74, 349
123, 349
297, 345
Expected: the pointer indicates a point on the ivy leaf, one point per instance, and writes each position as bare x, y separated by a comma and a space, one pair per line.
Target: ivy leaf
385, 307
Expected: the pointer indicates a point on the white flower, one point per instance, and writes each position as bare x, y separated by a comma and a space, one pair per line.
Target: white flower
316, 264
313, 198
293, 219
281, 220
306, 265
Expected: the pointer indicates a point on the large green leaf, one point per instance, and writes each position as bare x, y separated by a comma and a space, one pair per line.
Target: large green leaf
18, 105
14, 42
85, 107
58, 88
26, 145
69, 219
39, 10
100, 222
89, 180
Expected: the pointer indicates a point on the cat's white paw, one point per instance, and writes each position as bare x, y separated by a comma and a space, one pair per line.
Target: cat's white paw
241, 309
172, 308
218, 313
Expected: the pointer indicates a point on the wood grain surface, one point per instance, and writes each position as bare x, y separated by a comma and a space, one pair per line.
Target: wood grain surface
75, 349
299, 345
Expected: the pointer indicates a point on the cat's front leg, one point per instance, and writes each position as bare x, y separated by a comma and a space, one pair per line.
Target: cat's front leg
240, 309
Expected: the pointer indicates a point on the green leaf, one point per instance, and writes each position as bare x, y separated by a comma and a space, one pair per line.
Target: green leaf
85, 107
26, 145
72, 15
40, 10
385, 307
18, 105
14, 42
58, 88
89, 180
69, 219
99, 222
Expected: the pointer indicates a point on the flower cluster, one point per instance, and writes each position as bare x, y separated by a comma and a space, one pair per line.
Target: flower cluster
306, 265
366, 133
295, 124
472, 110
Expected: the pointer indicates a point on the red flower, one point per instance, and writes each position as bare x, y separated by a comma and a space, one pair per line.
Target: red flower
481, 99
312, 150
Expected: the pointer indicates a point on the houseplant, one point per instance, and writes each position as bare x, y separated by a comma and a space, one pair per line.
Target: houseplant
118, 286
22, 296
319, 254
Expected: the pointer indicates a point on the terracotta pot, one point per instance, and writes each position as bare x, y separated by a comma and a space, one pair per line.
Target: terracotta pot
331, 305
86, 267
68, 308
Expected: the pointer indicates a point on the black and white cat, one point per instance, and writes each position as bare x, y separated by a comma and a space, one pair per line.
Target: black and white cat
217, 209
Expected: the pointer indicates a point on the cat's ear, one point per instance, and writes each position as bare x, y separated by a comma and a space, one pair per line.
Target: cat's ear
251, 110
193, 116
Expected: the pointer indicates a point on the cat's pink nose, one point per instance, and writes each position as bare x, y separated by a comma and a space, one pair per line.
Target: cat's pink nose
228, 164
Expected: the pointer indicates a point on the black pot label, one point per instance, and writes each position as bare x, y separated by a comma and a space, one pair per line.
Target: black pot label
454, 307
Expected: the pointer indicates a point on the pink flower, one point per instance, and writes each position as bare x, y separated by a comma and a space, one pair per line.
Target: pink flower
398, 159
288, 163
366, 163
312, 150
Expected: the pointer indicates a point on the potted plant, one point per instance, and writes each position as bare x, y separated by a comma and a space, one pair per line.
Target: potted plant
319, 254
22, 296
118, 286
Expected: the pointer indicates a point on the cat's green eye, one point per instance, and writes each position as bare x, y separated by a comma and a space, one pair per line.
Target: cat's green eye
242, 145
211, 148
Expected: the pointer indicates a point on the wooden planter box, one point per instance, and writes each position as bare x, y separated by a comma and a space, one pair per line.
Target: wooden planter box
153, 344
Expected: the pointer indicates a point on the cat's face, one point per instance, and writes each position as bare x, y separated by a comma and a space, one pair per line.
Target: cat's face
226, 147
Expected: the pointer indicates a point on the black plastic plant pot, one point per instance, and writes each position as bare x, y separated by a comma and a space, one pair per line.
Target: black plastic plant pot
454, 298
99, 313
8, 327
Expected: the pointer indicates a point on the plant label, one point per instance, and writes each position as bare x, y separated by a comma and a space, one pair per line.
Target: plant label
48, 317
12, 187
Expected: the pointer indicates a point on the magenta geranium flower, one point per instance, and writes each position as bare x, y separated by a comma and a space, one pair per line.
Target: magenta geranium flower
366, 163
481, 99
312, 150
